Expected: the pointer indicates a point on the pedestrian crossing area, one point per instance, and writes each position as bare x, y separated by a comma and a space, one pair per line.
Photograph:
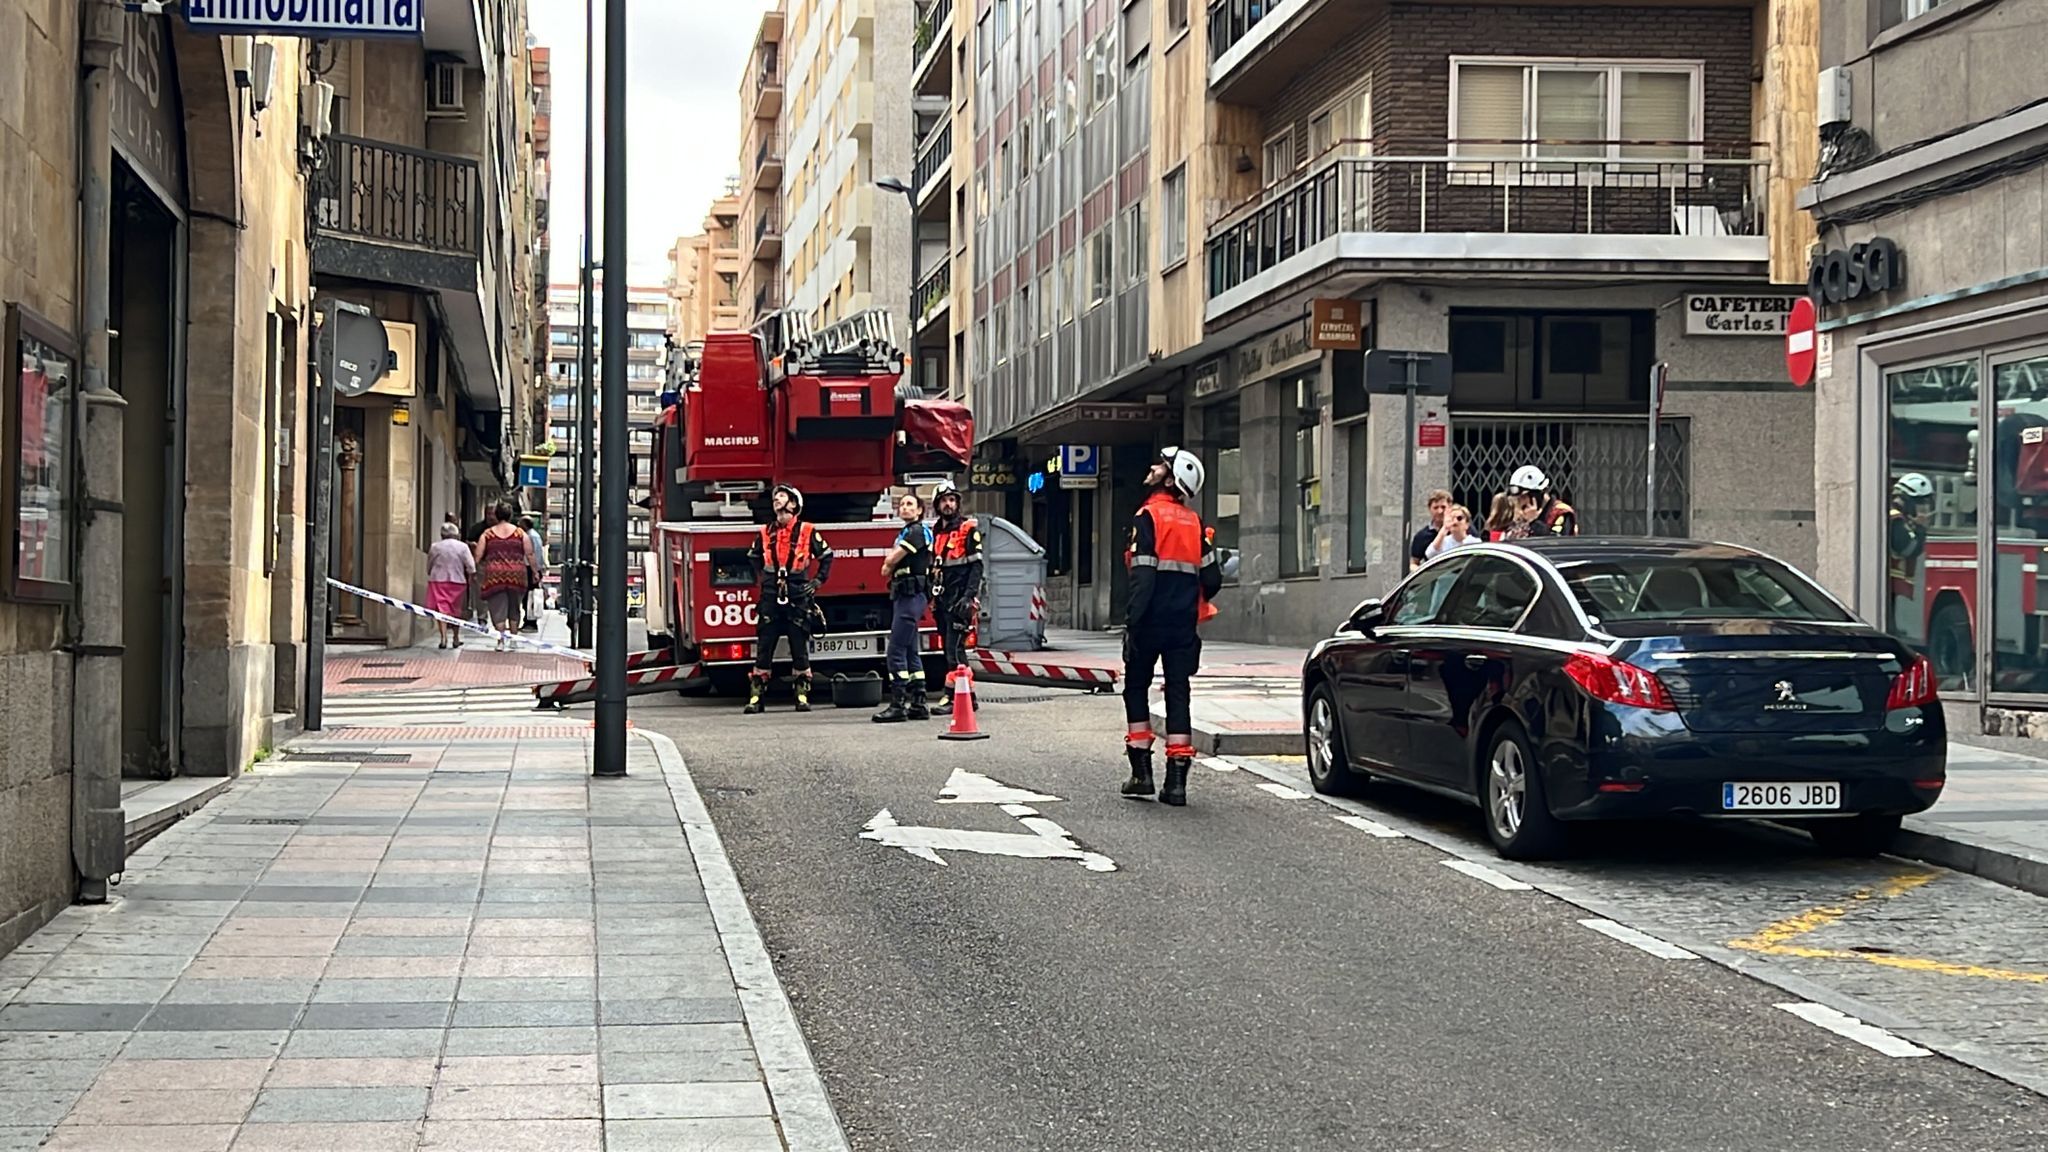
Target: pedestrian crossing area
427, 706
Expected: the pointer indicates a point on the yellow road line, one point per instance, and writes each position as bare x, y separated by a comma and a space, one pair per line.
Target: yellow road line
1776, 939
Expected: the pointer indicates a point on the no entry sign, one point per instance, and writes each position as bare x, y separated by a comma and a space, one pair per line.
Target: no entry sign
1799, 341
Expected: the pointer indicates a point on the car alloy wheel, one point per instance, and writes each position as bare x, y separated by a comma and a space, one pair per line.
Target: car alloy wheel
1329, 766
1507, 789
1320, 724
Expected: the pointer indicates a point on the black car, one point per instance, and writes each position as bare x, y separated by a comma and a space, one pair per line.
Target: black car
1557, 680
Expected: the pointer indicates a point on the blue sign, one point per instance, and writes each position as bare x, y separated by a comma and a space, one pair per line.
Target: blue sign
314, 19
533, 475
1035, 483
1080, 460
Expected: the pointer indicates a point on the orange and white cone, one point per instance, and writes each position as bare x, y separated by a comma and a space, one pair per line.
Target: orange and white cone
963, 726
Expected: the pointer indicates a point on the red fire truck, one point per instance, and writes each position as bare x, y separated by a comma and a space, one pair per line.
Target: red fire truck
820, 411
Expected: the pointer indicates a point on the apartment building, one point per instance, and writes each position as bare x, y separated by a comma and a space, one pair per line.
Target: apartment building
763, 164
846, 120
704, 273
648, 319
1931, 283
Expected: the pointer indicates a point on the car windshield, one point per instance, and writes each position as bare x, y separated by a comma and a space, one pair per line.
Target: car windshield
1685, 587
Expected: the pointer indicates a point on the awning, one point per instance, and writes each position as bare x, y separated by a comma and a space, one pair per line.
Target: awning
1132, 422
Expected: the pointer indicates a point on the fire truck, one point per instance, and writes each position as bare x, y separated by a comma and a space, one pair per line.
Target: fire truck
822, 411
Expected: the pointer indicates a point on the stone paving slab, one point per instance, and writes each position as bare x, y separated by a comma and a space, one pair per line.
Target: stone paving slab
493, 951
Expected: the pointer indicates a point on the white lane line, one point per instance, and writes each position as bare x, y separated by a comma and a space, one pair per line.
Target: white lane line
1842, 1024
1661, 949
1370, 827
1216, 764
1282, 791
1500, 880
1019, 809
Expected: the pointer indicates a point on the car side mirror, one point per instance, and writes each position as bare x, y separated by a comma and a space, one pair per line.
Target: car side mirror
1367, 616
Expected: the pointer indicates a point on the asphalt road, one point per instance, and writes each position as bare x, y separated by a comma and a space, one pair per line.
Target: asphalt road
1254, 974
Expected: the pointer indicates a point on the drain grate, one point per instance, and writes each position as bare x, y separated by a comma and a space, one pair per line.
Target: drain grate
381, 680
275, 820
986, 701
350, 757
384, 663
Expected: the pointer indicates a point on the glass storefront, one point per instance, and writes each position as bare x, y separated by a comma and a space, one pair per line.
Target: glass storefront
1301, 450
1951, 503
1222, 447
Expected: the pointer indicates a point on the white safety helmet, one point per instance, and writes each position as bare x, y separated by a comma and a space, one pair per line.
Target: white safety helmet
1529, 479
1913, 486
1186, 470
796, 497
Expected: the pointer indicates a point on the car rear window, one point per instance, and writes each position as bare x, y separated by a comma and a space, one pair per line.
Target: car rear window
1683, 588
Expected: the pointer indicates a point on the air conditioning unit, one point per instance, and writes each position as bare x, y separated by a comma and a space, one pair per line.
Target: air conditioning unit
444, 90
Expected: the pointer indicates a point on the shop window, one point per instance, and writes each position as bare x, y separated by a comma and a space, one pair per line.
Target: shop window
1569, 361
1357, 465
2020, 515
1084, 537
1931, 517
1220, 495
1301, 502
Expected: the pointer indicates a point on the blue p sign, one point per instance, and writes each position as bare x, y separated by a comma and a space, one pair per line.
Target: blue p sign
1079, 460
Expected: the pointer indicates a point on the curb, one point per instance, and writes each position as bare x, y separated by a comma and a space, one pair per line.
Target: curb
1212, 739
796, 1091
145, 826
2007, 864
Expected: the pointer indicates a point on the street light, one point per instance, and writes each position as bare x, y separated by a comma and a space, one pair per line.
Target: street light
909, 389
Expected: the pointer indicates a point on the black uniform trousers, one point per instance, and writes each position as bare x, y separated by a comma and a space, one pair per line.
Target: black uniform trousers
775, 621
1179, 656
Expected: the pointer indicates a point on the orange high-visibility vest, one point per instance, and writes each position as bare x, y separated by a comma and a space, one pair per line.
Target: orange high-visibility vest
787, 548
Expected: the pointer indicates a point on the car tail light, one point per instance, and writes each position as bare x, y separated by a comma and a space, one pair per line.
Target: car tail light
1618, 682
1914, 688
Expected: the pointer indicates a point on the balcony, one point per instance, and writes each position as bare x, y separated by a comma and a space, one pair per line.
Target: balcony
767, 298
768, 163
389, 214
1351, 220
764, 90
1257, 47
934, 161
928, 75
767, 236
933, 294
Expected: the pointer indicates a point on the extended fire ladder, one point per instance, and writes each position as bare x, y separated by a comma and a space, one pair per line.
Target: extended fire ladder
862, 344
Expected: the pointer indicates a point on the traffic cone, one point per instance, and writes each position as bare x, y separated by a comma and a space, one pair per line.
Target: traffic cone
963, 726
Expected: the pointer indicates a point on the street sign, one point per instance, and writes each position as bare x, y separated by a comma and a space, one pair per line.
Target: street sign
352, 350
1799, 341
1044, 839
1080, 466
313, 19
1386, 372
533, 471
1432, 435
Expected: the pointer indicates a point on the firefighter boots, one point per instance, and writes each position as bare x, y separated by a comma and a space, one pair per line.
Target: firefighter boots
803, 691
893, 713
757, 687
1175, 790
1139, 785
919, 708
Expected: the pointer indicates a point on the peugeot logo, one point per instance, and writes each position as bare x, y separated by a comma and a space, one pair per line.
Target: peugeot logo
1787, 701
1784, 690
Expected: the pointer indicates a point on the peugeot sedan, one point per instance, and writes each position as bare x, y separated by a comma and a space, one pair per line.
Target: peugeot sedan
1554, 681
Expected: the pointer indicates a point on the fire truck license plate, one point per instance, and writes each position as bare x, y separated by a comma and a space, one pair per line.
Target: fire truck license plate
844, 646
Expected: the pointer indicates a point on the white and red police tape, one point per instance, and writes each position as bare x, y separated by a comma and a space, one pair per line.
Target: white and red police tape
465, 625
584, 690
1006, 666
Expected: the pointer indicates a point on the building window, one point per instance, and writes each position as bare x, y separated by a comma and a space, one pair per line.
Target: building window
1279, 157
1347, 122
1222, 434
1890, 12
1357, 470
1301, 504
1573, 361
1027, 314
1002, 332
1581, 109
1135, 240
1045, 308
1173, 208
1176, 16
1101, 267
1070, 287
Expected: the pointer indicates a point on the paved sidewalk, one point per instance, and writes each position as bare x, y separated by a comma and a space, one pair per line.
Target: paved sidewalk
439, 936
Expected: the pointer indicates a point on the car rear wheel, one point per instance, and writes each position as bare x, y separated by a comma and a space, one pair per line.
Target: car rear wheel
1518, 818
1329, 766
1866, 835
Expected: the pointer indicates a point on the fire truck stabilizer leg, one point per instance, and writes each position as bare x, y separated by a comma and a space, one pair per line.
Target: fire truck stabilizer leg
757, 687
803, 690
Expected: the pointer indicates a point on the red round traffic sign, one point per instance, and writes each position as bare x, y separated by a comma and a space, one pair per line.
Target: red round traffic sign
1799, 341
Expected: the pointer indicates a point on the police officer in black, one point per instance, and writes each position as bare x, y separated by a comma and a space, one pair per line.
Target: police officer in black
956, 581
908, 570
783, 556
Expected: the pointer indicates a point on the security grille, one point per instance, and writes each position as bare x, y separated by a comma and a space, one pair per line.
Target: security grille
1596, 463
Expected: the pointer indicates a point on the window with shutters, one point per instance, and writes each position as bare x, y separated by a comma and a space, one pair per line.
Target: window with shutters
1279, 158
1504, 109
1347, 122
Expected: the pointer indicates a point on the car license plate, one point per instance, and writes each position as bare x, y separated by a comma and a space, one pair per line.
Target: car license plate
1816, 797
843, 646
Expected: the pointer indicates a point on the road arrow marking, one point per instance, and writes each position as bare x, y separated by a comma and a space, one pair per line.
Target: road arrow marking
973, 788
1045, 841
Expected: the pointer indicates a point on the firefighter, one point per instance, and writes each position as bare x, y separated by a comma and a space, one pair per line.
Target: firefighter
1548, 515
1906, 533
956, 579
907, 568
782, 558
1174, 576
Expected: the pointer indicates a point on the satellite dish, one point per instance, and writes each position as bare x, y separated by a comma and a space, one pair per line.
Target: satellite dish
353, 351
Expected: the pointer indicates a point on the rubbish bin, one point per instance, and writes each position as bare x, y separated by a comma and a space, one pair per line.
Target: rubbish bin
1013, 588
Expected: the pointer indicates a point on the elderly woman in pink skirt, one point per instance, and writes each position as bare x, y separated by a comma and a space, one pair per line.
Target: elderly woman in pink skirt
450, 568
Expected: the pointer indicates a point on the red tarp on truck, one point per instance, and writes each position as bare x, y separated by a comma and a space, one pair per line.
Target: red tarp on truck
938, 435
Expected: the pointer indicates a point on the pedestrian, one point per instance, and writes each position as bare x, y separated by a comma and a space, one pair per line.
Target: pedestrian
536, 603
956, 582
790, 560
503, 555
1545, 514
907, 568
1456, 532
1500, 517
450, 569
1418, 548
1174, 576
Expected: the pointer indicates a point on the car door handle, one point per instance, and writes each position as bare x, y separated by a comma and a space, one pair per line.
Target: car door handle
1475, 660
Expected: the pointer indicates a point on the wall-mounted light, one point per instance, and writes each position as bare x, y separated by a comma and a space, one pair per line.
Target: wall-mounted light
262, 75
240, 48
316, 109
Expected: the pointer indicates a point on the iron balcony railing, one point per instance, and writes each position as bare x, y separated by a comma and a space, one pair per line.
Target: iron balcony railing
767, 299
768, 75
934, 155
1582, 187
1232, 20
935, 289
388, 193
765, 225
770, 150
931, 20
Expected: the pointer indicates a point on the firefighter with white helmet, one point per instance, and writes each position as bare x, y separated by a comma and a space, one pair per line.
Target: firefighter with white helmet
1906, 532
956, 574
790, 560
1538, 506
1174, 577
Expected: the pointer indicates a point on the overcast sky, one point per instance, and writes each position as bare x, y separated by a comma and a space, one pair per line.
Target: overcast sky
684, 63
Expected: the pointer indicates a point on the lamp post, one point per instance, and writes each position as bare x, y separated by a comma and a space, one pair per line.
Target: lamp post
909, 389
608, 751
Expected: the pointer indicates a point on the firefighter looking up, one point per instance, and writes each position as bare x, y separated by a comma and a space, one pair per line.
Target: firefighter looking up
1906, 533
782, 557
1174, 576
907, 568
956, 584
1546, 514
